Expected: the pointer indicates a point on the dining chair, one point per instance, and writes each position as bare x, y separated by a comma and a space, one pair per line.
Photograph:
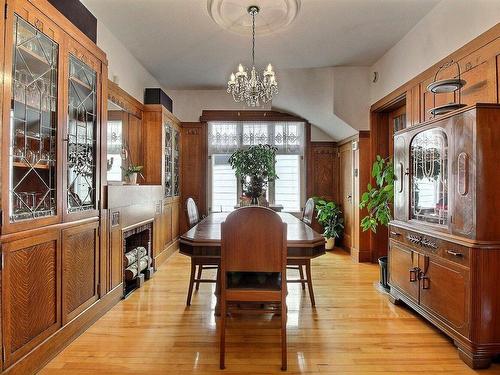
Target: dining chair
198, 264
299, 264
253, 266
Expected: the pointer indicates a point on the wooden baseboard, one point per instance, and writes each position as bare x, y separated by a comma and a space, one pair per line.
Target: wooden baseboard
165, 254
43, 353
360, 256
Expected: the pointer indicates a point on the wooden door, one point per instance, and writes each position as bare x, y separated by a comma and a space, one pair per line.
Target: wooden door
444, 290
81, 151
346, 191
401, 161
403, 273
80, 257
397, 121
166, 224
31, 162
31, 292
323, 171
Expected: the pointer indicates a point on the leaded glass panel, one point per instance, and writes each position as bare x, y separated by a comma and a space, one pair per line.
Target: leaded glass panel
33, 119
175, 174
168, 159
429, 177
81, 132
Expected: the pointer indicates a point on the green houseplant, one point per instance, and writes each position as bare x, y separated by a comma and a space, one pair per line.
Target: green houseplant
131, 173
378, 199
255, 168
329, 216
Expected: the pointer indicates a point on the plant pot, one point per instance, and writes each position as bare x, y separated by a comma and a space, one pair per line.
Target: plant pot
382, 261
132, 179
330, 243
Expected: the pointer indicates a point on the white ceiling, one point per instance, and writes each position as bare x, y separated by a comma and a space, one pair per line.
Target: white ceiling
180, 44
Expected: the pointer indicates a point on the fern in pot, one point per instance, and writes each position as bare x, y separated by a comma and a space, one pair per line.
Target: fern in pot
329, 216
255, 168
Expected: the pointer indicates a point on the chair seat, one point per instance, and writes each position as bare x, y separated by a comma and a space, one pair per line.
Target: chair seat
254, 280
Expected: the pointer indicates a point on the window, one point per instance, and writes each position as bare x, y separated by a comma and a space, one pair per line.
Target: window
287, 187
226, 137
224, 184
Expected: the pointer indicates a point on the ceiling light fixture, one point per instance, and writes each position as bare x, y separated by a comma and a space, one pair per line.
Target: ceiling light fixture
253, 89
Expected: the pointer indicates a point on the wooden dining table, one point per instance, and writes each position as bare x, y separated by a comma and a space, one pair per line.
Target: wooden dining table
204, 239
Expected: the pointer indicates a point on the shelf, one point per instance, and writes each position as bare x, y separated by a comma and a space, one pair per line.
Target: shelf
81, 83
30, 55
21, 164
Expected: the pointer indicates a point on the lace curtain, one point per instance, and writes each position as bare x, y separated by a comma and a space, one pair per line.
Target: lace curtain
226, 137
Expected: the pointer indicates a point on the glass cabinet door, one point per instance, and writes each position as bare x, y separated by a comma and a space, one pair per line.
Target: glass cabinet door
429, 177
33, 120
168, 159
175, 172
81, 137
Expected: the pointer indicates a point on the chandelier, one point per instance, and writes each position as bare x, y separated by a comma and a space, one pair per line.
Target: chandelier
252, 88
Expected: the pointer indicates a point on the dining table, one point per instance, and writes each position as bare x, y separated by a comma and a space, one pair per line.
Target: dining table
204, 239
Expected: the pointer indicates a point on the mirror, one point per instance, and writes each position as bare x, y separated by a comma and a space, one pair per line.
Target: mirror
117, 151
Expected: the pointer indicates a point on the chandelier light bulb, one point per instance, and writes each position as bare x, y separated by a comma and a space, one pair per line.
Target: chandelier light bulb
251, 87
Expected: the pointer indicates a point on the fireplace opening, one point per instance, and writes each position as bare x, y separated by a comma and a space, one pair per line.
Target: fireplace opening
137, 260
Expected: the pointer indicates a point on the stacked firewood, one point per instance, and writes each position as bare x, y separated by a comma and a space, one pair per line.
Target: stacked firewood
136, 261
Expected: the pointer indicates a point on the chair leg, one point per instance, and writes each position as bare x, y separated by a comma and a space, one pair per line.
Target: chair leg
222, 348
200, 269
191, 282
309, 283
284, 314
301, 273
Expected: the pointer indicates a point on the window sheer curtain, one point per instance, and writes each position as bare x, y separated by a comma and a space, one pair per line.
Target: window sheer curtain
225, 137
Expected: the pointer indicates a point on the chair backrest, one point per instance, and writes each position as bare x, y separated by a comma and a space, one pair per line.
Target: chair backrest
192, 212
308, 213
253, 240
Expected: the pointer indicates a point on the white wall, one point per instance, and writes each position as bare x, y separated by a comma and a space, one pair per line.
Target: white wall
131, 75
446, 28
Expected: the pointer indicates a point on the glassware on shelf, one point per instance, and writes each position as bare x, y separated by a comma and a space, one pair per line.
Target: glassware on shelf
32, 182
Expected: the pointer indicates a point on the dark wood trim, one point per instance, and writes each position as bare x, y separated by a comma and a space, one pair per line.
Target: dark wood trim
212, 115
482, 40
124, 100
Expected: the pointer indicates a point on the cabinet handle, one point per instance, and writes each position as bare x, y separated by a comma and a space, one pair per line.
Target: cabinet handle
413, 274
426, 282
454, 253
395, 234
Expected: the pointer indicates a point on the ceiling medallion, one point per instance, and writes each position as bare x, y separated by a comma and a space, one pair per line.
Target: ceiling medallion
232, 14
253, 89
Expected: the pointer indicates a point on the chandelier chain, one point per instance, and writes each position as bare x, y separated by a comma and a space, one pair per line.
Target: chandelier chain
253, 38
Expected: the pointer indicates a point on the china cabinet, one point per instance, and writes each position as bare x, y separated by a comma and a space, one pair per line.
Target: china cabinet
445, 237
52, 110
161, 157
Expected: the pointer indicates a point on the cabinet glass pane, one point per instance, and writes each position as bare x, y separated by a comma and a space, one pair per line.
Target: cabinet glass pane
429, 177
168, 159
82, 120
175, 174
33, 121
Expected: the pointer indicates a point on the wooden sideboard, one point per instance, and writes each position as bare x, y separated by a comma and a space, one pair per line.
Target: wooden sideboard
444, 251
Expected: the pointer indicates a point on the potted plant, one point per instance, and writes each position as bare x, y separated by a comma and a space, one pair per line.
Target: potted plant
131, 173
329, 216
378, 201
255, 168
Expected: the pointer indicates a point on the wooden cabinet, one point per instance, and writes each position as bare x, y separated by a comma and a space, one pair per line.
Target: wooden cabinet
31, 292
80, 262
446, 223
52, 110
162, 165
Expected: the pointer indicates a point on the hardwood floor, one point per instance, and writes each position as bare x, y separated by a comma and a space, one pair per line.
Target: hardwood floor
353, 330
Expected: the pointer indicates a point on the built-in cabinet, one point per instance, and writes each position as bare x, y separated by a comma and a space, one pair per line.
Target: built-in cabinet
161, 135
52, 111
445, 236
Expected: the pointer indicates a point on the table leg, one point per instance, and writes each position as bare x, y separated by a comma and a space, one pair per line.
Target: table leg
217, 293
